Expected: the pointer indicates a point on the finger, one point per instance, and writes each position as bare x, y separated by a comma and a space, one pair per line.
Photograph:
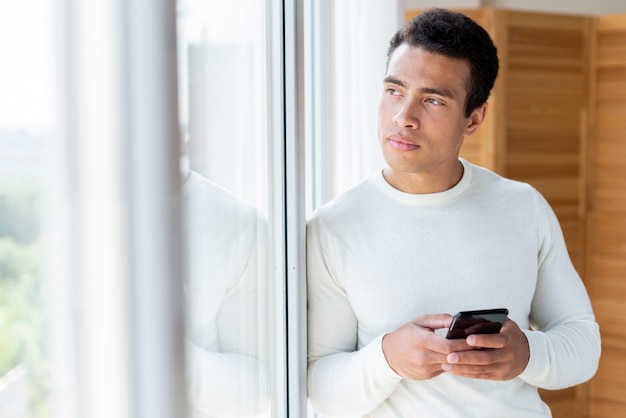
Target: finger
498, 340
476, 357
473, 372
478, 364
443, 347
510, 326
427, 324
486, 340
430, 358
424, 364
434, 322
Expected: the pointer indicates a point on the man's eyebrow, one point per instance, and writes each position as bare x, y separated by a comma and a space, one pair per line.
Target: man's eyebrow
391, 79
439, 91
429, 90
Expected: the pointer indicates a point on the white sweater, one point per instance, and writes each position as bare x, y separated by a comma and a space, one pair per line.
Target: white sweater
378, 258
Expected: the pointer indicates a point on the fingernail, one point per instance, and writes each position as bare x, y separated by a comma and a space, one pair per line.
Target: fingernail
453, 358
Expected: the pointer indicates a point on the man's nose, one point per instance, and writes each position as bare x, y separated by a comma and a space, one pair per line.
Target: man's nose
407, 116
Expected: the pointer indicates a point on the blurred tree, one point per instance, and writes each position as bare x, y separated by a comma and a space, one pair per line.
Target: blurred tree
20, 208
21, 296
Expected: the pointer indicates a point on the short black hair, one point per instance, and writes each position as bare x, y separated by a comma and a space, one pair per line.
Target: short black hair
457, 36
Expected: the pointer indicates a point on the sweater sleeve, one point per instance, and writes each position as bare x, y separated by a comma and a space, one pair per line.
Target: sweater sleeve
226, 369
342, 380
564, 338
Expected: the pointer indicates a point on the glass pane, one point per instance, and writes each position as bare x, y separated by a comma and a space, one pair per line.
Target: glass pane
224, 94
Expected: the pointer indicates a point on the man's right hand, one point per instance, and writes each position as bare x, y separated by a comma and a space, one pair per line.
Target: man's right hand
416, 352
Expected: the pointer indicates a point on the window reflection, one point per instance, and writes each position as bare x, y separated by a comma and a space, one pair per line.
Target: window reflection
223, 115
224, 290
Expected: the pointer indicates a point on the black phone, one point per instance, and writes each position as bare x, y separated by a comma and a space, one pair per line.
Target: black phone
486, 321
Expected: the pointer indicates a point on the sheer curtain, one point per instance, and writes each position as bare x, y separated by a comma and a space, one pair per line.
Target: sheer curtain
348, 51
111, 267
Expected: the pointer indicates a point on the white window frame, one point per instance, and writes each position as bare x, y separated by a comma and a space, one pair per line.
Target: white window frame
122, 184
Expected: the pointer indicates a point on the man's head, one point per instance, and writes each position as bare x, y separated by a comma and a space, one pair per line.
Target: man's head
456, 36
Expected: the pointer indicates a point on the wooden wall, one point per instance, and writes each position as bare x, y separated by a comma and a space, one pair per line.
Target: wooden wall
606, 256
536, 128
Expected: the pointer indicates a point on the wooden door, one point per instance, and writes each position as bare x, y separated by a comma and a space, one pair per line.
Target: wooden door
606, 265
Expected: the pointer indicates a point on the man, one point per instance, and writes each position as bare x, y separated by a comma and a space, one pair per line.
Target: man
432, 234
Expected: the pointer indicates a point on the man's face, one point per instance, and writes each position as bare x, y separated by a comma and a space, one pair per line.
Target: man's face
422, 119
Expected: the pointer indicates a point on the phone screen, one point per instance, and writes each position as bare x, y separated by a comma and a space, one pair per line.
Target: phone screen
488, 321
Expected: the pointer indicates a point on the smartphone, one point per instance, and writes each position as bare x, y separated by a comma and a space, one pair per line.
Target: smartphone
487, 321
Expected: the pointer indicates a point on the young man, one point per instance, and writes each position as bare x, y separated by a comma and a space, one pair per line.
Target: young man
432, 234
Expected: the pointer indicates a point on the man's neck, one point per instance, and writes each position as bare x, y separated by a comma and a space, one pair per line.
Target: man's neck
424, 182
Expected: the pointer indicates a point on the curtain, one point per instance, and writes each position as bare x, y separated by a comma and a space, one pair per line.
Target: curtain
360, 31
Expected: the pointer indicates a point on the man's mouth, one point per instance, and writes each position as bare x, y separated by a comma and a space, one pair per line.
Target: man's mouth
401, 144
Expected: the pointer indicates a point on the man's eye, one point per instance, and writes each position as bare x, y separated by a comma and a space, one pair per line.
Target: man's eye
434, 101
392, 91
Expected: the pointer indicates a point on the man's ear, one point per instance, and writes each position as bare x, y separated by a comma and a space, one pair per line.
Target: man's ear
476, 118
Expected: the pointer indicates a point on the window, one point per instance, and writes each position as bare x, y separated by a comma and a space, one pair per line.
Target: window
231, 112
114, 304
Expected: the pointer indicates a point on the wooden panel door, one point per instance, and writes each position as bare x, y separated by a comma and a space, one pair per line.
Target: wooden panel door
546, 100
606, 266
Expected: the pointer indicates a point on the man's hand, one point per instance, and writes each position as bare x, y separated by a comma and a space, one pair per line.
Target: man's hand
414, 350
501, 356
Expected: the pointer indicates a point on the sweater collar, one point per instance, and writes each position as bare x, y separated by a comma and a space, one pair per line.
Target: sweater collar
427, 198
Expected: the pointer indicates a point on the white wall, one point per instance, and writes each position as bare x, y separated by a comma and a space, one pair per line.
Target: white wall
585, 7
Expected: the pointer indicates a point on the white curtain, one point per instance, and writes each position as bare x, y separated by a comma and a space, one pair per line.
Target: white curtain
359, 34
